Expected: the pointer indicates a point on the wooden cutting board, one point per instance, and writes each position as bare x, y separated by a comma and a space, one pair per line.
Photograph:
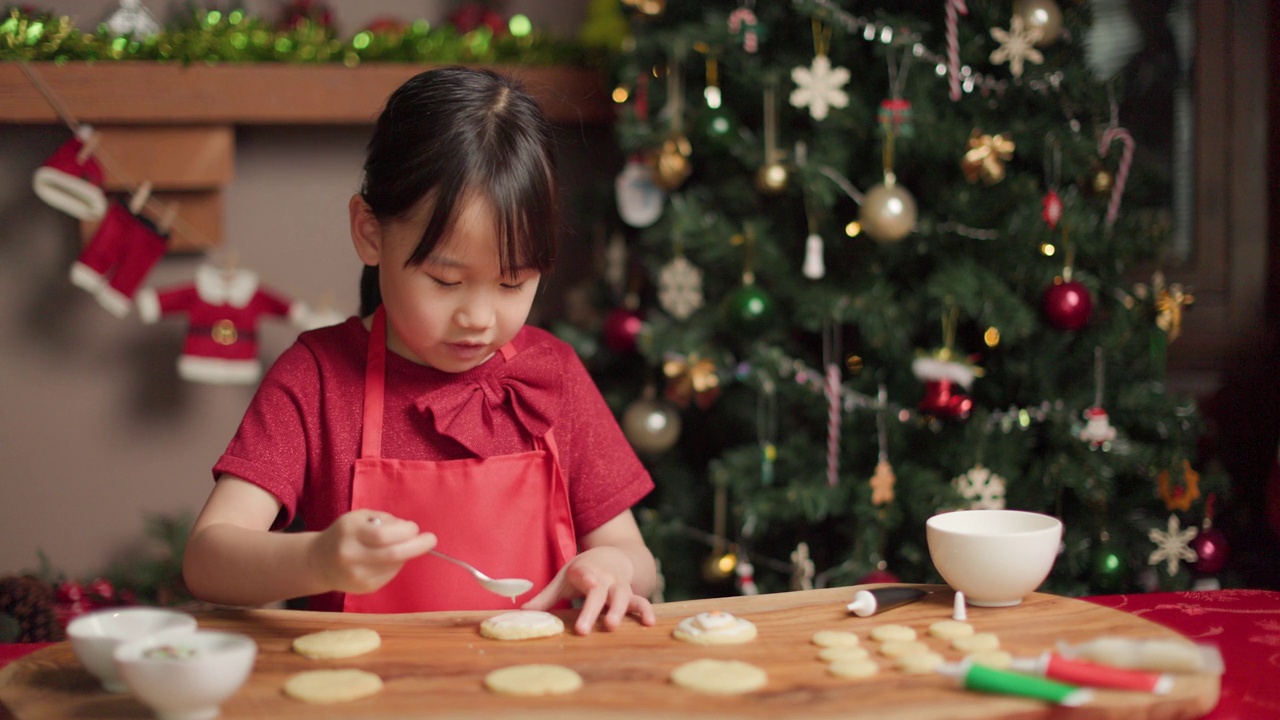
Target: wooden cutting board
433, 665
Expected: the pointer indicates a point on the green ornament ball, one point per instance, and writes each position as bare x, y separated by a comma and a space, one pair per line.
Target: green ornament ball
1108, 570
748, 310
717, 125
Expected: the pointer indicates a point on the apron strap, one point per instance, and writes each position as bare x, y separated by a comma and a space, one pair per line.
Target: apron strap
374, 386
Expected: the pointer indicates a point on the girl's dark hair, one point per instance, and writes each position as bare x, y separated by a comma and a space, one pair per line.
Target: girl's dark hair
453, 133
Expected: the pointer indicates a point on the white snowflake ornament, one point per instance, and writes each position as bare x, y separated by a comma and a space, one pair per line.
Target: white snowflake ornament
982, 488
819, 87
1173, 545
680, 288
1017, 45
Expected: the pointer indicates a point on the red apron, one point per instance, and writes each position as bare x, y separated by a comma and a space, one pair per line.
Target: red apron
508, 515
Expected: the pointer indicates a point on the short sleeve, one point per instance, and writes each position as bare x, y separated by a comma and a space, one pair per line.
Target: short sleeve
603, 473
270, 447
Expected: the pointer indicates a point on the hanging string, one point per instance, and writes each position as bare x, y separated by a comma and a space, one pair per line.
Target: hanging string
767, 428
1099, 371
162, 211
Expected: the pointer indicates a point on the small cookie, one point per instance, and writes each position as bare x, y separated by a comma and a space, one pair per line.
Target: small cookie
950, 629
892, 632
333, 644
918, 663
853, 669
720, 677
843, 653
901, 648
332, 686
978, 642
533, 680
521, 625
715, 628
834, 638
998, 659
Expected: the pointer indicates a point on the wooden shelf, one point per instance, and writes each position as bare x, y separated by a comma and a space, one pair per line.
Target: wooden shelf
154, 93
174, 125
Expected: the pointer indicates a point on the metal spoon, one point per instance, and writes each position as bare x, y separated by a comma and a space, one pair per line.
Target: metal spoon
506, 587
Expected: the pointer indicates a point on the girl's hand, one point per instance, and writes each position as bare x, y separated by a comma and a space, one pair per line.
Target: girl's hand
364, 549
601, 576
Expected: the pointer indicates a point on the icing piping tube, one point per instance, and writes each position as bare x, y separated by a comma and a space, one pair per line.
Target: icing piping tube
1082, 672
990, 680
870, 602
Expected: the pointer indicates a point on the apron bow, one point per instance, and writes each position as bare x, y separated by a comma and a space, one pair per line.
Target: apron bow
522, 391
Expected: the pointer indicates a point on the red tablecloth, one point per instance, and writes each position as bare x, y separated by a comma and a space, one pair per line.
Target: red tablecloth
1244, 624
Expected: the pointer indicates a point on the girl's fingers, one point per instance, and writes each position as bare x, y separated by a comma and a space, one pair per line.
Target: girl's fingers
643, 609
382, 529
592, 604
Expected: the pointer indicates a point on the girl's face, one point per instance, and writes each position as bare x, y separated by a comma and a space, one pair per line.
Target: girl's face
456, 309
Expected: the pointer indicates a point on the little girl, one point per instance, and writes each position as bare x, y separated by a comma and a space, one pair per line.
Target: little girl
438, 418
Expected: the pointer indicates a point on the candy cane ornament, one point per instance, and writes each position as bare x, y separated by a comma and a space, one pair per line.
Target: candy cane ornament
955, 8
833, 424
1110, 135
743, 21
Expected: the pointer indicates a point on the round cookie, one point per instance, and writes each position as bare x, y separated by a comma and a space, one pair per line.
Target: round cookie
533, 680
719, 677
892, 632
843, 654
902, 648
998, 659
918, 663
332, 686
333, 644
853, 669
521, 625
715, 628
950, 629
978, 642
834, 638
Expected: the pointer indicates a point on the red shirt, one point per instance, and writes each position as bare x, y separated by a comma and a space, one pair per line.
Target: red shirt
301, 434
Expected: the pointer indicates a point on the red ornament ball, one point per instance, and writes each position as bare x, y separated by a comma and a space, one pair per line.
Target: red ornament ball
878, 576
1211, 551
1067, 304
622, 329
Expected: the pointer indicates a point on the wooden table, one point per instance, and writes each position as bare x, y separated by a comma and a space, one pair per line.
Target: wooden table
433, 665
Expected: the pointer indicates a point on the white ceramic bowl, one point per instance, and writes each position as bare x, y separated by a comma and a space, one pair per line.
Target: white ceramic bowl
186, 676
995, 557
94, 636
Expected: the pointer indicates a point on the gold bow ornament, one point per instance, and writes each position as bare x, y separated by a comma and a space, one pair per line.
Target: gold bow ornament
691, 378
986, 156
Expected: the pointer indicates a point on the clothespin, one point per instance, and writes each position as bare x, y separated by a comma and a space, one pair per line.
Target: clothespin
139, 198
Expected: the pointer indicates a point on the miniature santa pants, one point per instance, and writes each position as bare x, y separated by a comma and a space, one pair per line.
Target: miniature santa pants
118, 258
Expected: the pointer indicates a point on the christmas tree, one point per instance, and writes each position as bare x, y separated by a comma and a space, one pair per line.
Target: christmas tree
877, 264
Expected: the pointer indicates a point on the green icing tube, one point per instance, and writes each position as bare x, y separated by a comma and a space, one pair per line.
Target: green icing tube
990, 680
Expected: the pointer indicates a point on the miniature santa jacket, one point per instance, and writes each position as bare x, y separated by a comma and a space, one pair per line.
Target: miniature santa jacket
224, 307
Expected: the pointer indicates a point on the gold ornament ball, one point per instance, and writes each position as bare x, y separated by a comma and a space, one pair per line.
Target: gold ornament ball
1102, 181
772, 178
1043, 14
651, 426
888, 213
672, 170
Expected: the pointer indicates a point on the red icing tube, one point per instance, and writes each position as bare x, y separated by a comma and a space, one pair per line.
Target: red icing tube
1089, 674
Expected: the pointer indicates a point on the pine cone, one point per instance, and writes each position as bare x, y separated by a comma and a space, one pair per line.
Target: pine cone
30, 602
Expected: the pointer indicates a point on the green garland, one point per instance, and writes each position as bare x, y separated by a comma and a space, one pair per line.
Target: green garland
213, 36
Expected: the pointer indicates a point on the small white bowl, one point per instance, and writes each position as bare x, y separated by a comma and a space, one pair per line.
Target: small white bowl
186, 676
995, 557
94, 636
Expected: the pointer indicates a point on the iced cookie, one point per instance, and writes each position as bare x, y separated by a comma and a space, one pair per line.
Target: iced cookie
521, 625
720, 677
715, 628
853, 669
834, 638
978, 642
841, 653
333, 644
949, 629
533, 680
918, 663
332, 686
901, 648
892, 632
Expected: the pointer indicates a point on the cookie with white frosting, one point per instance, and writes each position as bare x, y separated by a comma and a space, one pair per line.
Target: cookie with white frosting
715, 628
521, 625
